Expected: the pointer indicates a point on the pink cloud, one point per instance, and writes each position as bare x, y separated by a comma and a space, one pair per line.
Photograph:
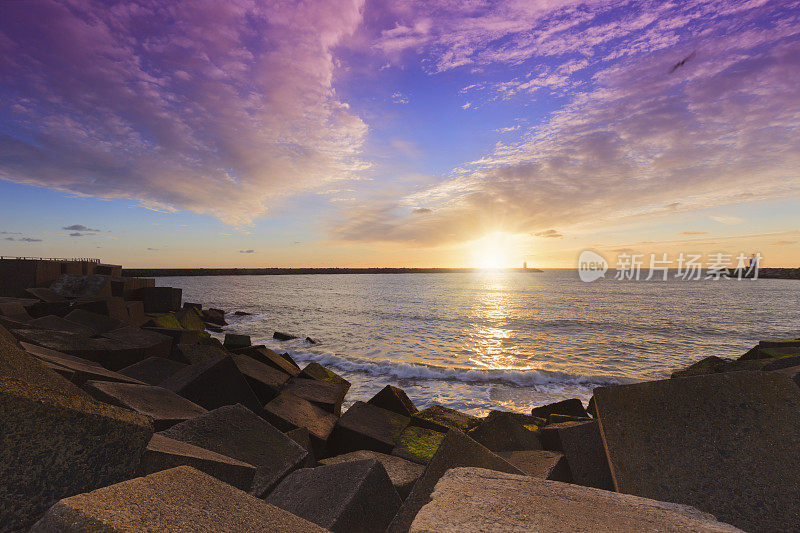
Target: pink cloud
216, 107
636, 141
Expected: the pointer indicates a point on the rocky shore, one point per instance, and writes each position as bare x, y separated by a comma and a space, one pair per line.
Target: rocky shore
120, 411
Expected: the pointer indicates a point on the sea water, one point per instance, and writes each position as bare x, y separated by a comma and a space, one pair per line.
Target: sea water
499, 340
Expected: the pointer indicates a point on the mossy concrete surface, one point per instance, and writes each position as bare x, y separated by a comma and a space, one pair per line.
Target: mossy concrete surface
418, 444
54, 445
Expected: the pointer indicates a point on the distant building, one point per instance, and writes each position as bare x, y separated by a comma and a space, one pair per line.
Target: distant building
525, 265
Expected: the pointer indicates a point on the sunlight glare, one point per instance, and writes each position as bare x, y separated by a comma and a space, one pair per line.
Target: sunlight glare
493, 251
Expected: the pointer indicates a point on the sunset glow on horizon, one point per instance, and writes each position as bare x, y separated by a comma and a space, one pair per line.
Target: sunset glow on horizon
366, 133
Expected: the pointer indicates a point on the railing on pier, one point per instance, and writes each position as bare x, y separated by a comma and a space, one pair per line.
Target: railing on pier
59, 259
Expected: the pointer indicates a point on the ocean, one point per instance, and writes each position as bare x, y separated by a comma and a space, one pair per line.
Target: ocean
499, 340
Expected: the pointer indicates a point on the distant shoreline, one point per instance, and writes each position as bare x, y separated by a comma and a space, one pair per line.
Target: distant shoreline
764, 273
166, 272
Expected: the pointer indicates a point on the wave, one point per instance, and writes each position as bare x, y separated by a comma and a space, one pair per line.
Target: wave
399, 371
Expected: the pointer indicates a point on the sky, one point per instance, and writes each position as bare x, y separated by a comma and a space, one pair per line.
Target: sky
368, 133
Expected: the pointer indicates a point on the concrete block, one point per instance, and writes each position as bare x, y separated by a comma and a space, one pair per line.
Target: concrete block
237, 432
61, 324
288, 412
402, 473
234, 341
268, 357
725, 443
153, 370
475, 499
441, 418
323, 394
179, 499
320, 373
502, 432
152, 343
99, 324
540, 463
265, 381
112, 354
213, 384
571, 407
55, 445
158, 299
81, 370
165, 407
418, 444
163, 453
197, 353
338, 496
394, 399
456, 450
367, 427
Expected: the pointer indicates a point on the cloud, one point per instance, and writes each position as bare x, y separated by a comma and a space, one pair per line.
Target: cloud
690, 232
631, 142
247, 251
783, 243
398, 98
551, 233
727, 220
421, 211
508, 129
77, 234
467, 105
10, 233
79, 227
152, 249
23, 239
221, 108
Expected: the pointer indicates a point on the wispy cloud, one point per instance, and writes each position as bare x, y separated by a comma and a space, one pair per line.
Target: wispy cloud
247, 251
79, 227
23, 239
727, 220
399, 98
632, 140
692, 232
550, 234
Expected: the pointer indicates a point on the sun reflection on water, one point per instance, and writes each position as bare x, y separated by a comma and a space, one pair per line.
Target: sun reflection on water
489, 336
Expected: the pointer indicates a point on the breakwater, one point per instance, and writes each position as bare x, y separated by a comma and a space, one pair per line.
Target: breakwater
276, 271
154, 418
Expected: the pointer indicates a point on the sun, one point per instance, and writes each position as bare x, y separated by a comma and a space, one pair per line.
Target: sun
492, 251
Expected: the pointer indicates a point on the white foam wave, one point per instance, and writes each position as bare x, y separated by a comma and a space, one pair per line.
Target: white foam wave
399, 371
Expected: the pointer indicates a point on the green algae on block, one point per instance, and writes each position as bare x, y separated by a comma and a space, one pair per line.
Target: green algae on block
707, 365
166, 320
418, 444
441, 418
320, 373
189, 318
